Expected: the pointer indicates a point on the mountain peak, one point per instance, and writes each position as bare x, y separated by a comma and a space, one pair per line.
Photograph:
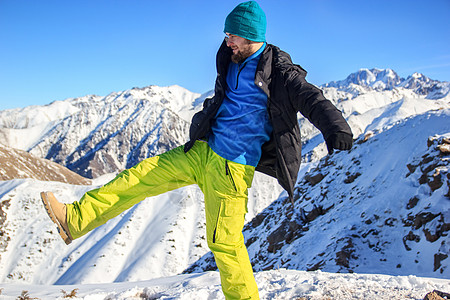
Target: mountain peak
386, 79
423, 85
379, 79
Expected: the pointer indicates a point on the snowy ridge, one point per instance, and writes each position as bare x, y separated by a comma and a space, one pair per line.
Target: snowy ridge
367, 107
378, 79
95, 135
387, 79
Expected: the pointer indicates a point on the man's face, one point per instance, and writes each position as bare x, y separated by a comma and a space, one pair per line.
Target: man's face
241, 47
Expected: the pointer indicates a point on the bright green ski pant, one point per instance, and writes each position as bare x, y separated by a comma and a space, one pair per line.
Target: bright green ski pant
224, 185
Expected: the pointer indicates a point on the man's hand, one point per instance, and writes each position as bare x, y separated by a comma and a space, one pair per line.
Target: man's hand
340, 141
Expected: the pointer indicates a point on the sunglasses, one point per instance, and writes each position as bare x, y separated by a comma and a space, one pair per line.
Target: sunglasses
230, 37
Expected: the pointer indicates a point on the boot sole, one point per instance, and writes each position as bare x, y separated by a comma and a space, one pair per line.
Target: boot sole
51, 214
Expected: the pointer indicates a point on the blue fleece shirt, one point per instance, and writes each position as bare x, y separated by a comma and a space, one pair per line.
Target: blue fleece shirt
242, 124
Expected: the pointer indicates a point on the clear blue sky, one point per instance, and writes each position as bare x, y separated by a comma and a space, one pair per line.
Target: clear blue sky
53, 50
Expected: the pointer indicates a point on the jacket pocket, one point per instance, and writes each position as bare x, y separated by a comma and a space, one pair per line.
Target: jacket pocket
230, 221
230, 176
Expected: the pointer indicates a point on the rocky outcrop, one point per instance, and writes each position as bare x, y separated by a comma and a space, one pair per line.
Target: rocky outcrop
432, 170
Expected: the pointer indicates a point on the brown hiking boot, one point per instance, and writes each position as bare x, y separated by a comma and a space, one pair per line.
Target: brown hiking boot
57, 213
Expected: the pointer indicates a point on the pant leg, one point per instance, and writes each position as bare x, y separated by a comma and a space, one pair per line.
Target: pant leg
226, 197
150, 177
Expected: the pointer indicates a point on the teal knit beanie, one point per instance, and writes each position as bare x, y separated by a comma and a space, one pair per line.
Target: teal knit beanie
247, 20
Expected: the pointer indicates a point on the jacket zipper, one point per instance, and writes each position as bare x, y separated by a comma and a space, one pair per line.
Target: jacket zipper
228, 173
237, 79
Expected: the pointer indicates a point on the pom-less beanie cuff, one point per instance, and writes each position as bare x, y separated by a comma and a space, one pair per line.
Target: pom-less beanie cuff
247, 20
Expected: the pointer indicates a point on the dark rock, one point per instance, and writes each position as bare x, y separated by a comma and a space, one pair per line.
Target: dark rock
410, 237
352, 177
277, 237
315, 179
343, 257
436, 182
411, 168
412, 202
438, 258
316, 266
423, 218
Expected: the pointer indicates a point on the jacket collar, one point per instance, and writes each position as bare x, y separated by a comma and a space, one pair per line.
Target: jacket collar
223, 58
263, 70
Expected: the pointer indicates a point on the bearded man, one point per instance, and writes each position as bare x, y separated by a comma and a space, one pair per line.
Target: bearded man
249, 124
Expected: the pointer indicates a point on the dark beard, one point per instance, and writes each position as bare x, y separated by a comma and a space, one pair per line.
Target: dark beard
238, 58
242, 54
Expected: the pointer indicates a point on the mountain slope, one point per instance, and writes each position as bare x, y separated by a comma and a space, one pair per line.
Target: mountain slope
161, 236
383, 207
17, 164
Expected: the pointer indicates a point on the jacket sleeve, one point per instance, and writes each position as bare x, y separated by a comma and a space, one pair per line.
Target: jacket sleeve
311, 103
201, 123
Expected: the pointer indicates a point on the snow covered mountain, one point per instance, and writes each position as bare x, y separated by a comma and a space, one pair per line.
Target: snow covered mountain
370, 103
95, 135
160, 236
381, 208
387, 79
377, 79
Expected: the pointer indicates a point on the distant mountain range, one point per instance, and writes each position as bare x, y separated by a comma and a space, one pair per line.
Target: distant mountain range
387, 79
95, 135
382, 207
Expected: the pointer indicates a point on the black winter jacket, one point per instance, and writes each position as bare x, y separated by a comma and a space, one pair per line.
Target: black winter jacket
288, 93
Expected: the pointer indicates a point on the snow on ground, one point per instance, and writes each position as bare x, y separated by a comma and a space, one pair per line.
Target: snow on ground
274, 284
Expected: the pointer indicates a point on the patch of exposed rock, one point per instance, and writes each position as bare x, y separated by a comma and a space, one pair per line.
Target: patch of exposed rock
18, 164
433, 170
